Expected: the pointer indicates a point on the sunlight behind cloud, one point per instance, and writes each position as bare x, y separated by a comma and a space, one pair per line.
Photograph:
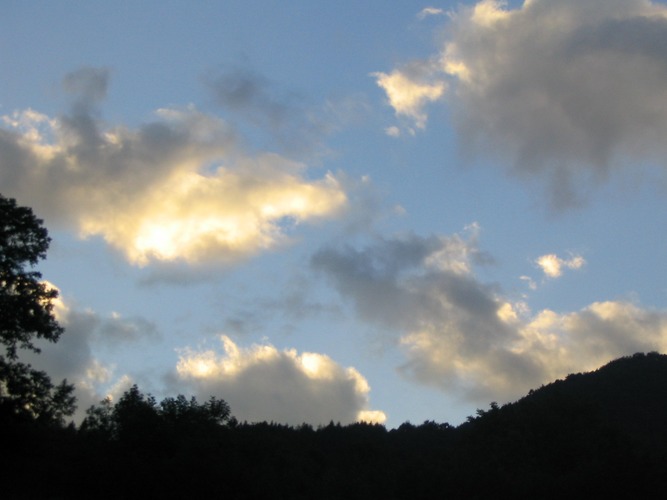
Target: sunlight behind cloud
235, 213
151, 192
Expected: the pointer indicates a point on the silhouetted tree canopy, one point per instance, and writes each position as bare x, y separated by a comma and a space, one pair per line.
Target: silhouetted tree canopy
26, 314
137, 417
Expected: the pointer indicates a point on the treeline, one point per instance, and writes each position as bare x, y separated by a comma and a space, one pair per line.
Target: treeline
601, 433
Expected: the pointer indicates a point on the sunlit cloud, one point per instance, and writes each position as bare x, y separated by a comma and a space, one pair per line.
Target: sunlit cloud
586, 339
223, 216
261, 382
409, 90
176, 189
553, 266
469, 338
563, 91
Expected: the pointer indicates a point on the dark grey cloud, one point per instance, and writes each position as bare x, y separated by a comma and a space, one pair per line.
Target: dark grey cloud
371, 277
397, 281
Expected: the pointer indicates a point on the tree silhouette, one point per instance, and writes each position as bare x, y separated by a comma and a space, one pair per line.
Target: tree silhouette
26, 314
137, 418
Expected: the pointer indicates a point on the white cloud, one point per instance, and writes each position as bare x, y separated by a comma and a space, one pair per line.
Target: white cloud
529, 281
176, 189
263, 383
563, 90
430, 11
586, 339
552, 265
465, 336
393, 131
410, 89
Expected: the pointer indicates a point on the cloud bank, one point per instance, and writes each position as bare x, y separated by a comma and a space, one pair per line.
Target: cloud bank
467, 337
176, 189
263, 383
564, 90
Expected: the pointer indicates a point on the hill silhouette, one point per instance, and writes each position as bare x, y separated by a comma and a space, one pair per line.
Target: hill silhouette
596, 434
603, 431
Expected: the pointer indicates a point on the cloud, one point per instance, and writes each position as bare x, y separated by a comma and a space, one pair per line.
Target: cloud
565, 91
178, 189
259, 382
294, 124
89, 85
529, 281
430, 11
74, 356
263, 383
467, 337
393, 131
552, 265
410, 89
586, 339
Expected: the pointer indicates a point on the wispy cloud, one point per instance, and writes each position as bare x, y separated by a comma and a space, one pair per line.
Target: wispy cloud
294, 125
430, 11
261, 382
177, 189
566, 91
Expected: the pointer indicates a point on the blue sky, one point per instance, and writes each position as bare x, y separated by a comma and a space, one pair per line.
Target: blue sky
341, 211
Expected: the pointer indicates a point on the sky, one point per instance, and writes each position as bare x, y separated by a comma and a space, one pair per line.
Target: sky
341, 211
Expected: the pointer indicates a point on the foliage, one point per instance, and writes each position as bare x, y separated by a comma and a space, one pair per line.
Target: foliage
137, 418
28, 394
26, 314
26, 303
188, 413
